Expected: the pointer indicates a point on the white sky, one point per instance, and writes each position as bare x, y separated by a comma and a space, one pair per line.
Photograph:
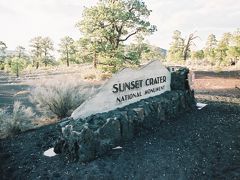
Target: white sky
21, 20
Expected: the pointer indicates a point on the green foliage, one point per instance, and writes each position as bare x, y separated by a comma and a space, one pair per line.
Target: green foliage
187, 46
83, 53
210, 48
67, 49
3, 47
17, 61
222, 48
233, 52
134, 51
106, 29
110, 63
180, 49
37, 51
197, 55
17, 65
144, 52
236, 38
20, 52
41, 48
47, 46
175, 52
108, 25
224, 52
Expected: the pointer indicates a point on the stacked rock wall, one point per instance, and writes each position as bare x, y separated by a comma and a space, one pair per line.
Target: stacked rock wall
86, 139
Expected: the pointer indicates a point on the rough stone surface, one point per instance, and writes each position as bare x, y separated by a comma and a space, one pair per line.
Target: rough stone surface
179, 79
86, 139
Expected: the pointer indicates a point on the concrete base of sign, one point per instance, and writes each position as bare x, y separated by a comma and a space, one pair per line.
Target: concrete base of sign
88, 138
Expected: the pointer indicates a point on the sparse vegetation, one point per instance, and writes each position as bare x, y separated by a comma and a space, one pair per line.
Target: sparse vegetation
60, 95
20, 120
55, 94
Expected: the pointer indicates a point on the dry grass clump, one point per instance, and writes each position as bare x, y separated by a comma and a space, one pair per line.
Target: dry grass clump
84, 71
105, 76
90, 76
91, 73
18, 121
61, 95
43, 121
203, 65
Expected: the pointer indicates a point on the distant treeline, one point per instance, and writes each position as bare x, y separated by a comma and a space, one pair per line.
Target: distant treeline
106, 29
225, 51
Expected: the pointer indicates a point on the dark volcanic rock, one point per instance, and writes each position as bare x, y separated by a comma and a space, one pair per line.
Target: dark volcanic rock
103, 131
200, 144
179, 79
85, 139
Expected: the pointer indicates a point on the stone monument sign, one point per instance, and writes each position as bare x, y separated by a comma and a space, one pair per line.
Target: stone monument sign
126, 87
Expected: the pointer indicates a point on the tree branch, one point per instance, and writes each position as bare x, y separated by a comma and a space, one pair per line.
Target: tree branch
129, 36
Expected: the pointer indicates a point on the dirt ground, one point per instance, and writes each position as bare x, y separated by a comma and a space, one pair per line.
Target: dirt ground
202, 144
225, 83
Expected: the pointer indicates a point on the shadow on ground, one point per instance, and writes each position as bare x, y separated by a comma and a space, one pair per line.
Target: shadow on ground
220, 74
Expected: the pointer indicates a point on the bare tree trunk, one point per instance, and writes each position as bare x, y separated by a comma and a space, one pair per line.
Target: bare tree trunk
187, 46
37, 65
67, 59
185, 52
95, 60
45, 58
17, 73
